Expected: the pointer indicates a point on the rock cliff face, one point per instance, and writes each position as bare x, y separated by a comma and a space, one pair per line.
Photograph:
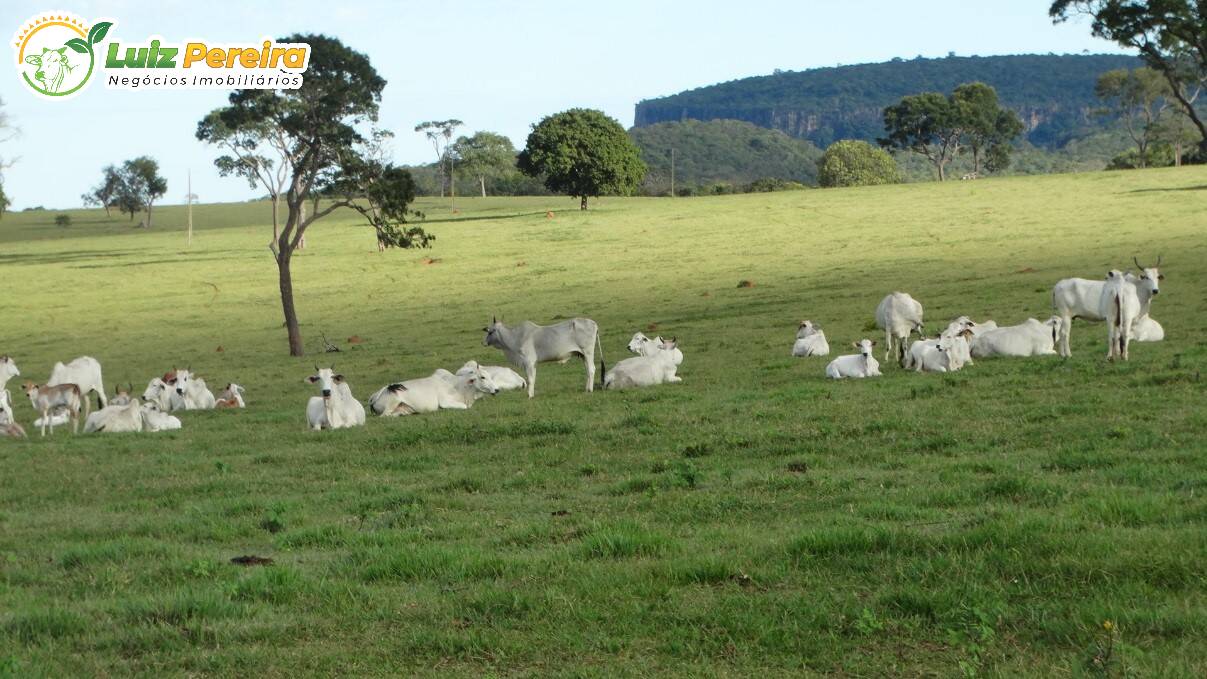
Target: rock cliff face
1054, 95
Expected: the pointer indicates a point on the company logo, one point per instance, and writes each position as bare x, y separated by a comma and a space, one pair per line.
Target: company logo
59, 53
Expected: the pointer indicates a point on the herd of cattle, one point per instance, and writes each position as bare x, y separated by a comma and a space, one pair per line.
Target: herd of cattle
1123, 300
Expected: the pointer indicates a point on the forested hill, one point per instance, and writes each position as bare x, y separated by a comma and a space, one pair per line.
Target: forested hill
1054, 94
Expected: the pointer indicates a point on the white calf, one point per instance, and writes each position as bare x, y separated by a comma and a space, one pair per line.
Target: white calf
46, 399
154, 419
858, 365
1120, 306
336, 407
1147, 329
1030, 338
898, 315
504, 378
810, 341
645, 371
231, 397
85, 373
934, 355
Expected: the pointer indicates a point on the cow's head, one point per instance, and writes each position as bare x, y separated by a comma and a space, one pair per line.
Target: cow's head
493, 338
477, 378
865, 347
1150, 276
156, 391
29, 387
326, 379
178, 380
638, 341
8, 368
1054, 324
52, 66
805, 329
122, 397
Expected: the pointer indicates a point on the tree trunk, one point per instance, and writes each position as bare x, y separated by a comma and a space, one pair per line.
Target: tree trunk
148, 215
976, 161
275, 231
942, 176
107, 215
291, 314
583, 203
482, 181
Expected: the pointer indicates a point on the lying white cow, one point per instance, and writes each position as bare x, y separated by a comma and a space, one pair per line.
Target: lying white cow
231, 397
527, 344
810, 341
113, 419
645, 371
1147, 329
858, 365
189, 392
646, 346
1030, 338
898, 315
335, 407
159, 393
439, 390
503, 377
1120, 306
1082, 298
154, 419
934, 355
85, 373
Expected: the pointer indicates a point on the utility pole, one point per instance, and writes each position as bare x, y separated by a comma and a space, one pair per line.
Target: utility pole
190, 199
672, 173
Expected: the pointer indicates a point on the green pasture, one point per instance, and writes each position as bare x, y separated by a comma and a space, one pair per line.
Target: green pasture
756, 519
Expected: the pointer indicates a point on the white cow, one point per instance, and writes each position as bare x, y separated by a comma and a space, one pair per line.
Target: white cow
1030, 338
46, 399
1120, 306
898, 315
85, 373
1081, 298
527, 344
189, 392
428, 394
114, 419
335, 407
121, 396
645, 371
159, 393
8, 370
934, 355
231, 397
858, 365
1147, 329
8, 422
647, 346
154, 419
810, 341
504, 378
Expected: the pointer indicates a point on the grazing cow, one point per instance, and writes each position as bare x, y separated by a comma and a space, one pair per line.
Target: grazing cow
645, 346
504, 378
645, 370
189, 392
8, 423
441, 389
858, 365
336, 407
898, 315
1081, 298
46, 398
159, 393
53, 67
155, 419
84, 372
1147, 329
810, 341
527, 344
114, 419
1120, 306
231, 397
1030, 338
8, 370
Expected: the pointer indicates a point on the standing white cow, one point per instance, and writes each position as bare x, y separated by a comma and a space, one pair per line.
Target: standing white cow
504, 378
898, 315
527, 344
1081, 298
1029, 338
652, 346
810, 341
1120, 306
645, 371
441, 389
8, 370
858, 365
189, 392
335, 407
85, 373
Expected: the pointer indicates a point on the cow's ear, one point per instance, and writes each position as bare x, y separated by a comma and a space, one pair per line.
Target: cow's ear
855, 344
312, 379
1160, 276
338, 378
34, 59
874, 342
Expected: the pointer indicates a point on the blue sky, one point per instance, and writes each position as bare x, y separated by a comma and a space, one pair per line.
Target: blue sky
498, 66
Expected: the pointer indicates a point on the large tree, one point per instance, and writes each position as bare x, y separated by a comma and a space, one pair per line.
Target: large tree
583, 153
440, 133
139, 186
1171, 36
989, 128
484, 155
324, 150
1138, 98
105, 193
928, 124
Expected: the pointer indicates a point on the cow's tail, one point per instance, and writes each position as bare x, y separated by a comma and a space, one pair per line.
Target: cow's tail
603, 367
1118, 310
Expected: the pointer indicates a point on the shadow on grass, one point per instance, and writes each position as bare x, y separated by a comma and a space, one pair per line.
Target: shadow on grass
63, 256
446, 220
1202, 187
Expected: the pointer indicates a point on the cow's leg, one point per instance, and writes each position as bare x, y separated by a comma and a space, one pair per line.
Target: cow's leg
589, 359
45, 418
75, 422
888, 344
1066, 328
530, 374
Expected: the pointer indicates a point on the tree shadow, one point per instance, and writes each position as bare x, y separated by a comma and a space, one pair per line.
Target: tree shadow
450, 220
1202, 187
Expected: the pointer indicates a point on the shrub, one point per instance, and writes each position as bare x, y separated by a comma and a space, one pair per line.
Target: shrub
856, 163
62, 220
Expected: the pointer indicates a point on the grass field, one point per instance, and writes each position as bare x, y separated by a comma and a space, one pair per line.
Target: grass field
756, 518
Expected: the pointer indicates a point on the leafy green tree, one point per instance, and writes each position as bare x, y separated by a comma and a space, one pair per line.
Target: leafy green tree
928, 124
484, 155
256, 151
1171, 36
584, 153
1138, 98
105, 193
1178, 132
440, 133
852, 162
139, 186
318, 124
989, 128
